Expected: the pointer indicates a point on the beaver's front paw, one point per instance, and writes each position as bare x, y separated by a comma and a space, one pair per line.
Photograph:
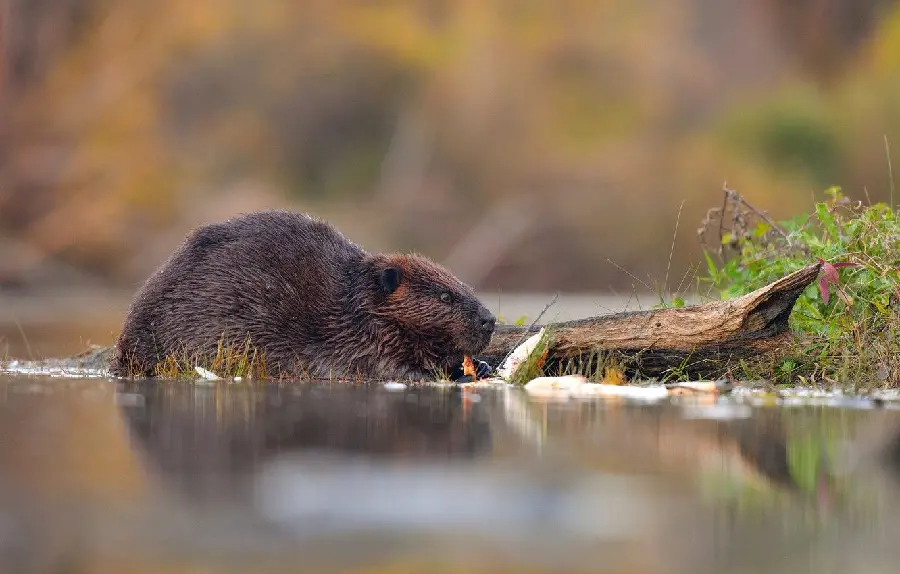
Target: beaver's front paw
482, 370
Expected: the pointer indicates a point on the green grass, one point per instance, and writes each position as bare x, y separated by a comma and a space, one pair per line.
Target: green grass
847, 324
230, 361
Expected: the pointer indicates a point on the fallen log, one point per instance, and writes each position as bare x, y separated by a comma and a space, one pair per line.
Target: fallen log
699, 340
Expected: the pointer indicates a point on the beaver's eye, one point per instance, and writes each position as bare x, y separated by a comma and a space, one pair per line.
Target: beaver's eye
446, 297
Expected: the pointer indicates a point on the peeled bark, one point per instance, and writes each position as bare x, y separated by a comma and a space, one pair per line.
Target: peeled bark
701, 340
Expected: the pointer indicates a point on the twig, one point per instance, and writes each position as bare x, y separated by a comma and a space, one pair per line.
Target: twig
672, 248
530, 327
692, 270
722, 218
737, 197
887, 151
24, 339
625, 271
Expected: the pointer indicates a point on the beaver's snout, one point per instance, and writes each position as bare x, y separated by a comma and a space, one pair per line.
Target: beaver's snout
486, 320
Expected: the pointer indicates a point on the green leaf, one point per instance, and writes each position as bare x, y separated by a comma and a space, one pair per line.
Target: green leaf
761, 229
827, 220
835, 192
710, 265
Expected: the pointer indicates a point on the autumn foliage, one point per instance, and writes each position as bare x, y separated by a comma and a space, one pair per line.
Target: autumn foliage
525, 144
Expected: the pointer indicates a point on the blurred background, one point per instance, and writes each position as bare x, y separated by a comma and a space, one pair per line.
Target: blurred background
530, 146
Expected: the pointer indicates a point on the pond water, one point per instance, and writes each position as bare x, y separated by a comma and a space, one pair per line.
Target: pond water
104, 476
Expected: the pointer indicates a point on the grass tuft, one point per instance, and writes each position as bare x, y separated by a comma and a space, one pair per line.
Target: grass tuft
229, 361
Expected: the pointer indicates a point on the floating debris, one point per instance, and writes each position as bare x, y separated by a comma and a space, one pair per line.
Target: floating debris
577, 386
394, 386
555, 386
717, 387
206, 375
642, 393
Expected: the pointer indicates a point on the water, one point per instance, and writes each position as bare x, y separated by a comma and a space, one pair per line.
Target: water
104, 476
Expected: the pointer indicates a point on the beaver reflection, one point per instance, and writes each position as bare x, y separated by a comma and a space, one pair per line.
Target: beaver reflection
210, 437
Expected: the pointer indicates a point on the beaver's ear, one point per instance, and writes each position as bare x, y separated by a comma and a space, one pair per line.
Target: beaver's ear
389, 279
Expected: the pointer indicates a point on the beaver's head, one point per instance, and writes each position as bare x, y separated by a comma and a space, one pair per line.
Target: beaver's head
439, 316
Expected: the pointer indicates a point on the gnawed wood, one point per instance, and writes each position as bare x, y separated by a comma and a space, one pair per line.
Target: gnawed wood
699, 340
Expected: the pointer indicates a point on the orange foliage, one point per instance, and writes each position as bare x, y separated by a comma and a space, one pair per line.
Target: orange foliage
600, 117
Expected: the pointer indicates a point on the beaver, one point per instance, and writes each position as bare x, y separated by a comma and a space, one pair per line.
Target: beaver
314, 302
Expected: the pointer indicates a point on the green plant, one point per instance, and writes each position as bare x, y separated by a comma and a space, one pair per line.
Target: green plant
851, 337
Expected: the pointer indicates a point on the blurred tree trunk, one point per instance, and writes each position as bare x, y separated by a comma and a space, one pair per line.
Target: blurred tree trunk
35, 34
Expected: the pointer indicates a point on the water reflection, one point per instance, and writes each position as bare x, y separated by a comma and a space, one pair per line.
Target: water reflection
178, 477
213, 440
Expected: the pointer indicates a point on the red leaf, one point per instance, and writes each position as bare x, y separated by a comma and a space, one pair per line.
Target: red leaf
823, 288
830, 273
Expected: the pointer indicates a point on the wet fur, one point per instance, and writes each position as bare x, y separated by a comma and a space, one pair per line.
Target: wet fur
314, 302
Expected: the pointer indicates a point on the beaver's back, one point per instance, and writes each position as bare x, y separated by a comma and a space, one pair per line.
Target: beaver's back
273, 276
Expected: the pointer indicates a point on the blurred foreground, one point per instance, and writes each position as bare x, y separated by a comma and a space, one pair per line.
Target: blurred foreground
172, 477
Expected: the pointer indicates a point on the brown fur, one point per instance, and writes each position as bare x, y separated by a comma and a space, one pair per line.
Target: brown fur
313, 302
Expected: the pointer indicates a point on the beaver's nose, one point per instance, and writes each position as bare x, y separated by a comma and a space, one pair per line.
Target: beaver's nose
486, 320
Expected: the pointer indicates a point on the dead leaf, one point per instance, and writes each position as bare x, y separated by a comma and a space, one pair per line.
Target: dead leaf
469, 367
614, 376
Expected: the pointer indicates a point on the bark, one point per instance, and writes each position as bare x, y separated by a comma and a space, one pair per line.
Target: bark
700, 340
